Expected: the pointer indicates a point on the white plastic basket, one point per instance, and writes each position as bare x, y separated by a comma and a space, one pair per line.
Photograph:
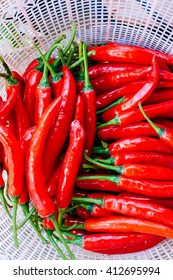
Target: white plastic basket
136, 22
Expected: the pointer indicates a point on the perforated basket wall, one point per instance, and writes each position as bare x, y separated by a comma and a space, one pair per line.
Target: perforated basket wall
137, 22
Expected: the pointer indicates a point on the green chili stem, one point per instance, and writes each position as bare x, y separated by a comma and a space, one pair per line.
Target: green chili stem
119, 101
98, 201
27, 217
111, 178
53, 219
55, 64
27, 212
2, 200
157, 129
5, 66
87, 84
15, 205
101, 150
78, 62
114, 121
49, 235
77, 239
71, 54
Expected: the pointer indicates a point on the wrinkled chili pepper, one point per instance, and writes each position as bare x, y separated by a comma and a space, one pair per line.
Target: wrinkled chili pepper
61, 126
112, 182
129, 207
115, 243
112, 80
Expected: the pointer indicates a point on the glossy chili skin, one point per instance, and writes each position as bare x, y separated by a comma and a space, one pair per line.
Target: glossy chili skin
135, 129
33, 80
32, 65
153, 188
87, 211
100, 69
119, 158
159, 95
114, 52
15, 162
60, 129
142, 143
145, 91
1, 178
56, 85
166, 202
70, 166
111, 80
134, 115
36, 183
7, 106
53, 181
104, 99
127, 224
79, 110
119, 243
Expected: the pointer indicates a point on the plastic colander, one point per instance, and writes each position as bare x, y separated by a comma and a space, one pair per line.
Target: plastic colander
147, 23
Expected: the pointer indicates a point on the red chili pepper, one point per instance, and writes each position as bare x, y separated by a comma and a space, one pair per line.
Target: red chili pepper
140, 186
137, 170
115, 243
166, 202
165, 134
164, 122
115, 52
130, 116
104, 99
86, 182
87, 211
115, 224
129, 207
32, 65
60, 129
83, 213
79, 111
15, 164
112, 80
135, 144
111, 132
53, 181
100, 69
2, 198
119, 158
158, 96
70, 166
36, 183
89, 98
144, 92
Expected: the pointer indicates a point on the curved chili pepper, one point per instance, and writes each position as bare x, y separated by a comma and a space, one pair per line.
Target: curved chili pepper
32, 65
36, 184
138, 171
89, 98
70, 166
15, 166
60, 129
111, 80
115, 52
165, 134
119, 158
144, 92
129, 207
104, 99
152, 188
115, 243
130, 116
166, 202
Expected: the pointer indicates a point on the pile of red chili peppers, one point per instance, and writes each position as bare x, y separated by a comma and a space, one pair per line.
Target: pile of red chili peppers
86, 140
